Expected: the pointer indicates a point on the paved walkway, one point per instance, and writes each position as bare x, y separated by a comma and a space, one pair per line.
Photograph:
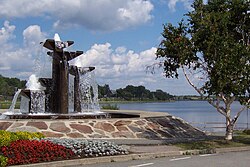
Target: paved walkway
153, 149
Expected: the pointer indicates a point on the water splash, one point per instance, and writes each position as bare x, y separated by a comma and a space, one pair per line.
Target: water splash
33, 83
71, 94
88, 92
24, 106
13, 104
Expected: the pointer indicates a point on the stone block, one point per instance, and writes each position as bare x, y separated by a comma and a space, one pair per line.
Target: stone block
59, 127
122, 122
5, 125
139, 122
153, 126
75, 135
136, 129
17, 124
82, 128
38, 125
123, 134
105, 126
122, 128
52, 134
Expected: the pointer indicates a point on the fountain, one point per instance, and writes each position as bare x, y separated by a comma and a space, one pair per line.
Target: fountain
58, 97
66, 105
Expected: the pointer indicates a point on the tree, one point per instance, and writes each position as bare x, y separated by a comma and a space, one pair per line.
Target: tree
8, 85
212, 47
104, 91
161, 95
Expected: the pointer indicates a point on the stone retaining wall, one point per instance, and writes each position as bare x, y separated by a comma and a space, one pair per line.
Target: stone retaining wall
150, 128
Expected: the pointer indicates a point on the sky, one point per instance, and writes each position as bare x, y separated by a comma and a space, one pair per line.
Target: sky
118, 37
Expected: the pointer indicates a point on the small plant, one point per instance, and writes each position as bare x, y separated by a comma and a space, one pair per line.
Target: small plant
110, 107
7, 137
3, 161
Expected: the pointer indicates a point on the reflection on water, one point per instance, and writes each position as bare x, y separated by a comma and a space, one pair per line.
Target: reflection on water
190, 111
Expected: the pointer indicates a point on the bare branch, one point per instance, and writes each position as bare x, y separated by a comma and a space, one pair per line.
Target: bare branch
190, 83
217, 106
238, 114
220, 109
151, 68
223, 97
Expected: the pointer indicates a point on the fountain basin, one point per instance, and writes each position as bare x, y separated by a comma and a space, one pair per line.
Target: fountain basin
86, 115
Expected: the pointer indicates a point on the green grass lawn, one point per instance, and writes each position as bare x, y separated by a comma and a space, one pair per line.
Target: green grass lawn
7, 104
240, 139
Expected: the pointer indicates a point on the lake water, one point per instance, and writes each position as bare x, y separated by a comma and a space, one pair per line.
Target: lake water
193, 112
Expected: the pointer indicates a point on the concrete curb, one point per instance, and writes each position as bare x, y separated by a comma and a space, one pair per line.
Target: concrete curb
122, 158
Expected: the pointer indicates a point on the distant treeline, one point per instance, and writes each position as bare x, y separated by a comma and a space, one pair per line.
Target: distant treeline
8, 86
133, 93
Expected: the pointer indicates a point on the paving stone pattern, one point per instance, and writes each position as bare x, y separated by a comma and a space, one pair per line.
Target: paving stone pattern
150, 128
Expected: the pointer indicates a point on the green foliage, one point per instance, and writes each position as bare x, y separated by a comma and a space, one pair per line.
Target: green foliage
110, 107
104, 91
213, 42
246, 131
3, 161
141, 93
7, 137
8, 86
243, 137
161, 95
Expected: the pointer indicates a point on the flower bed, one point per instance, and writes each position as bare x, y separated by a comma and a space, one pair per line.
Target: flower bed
24, 148
90, 148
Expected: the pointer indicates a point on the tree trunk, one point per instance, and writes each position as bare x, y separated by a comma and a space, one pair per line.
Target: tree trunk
229, 131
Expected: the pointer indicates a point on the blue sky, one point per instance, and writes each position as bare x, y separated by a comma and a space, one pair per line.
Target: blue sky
118, 37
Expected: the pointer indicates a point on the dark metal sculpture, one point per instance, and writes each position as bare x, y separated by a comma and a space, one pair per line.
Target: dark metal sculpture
57, 87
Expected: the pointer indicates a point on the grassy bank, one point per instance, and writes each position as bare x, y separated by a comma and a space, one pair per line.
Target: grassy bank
241, 139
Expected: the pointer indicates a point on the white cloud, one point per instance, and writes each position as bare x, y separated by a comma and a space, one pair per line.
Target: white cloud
19, 62
112, 64
33, 35
172, 4
6, 32
95, 15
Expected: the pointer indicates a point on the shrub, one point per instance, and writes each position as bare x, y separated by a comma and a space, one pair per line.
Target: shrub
3, 161
23, 135
246, 131
110, 107
7, 137
33, 151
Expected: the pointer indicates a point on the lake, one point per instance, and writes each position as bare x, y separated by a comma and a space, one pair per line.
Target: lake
191, 111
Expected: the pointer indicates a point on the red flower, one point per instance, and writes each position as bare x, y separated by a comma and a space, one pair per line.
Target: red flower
32, 151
